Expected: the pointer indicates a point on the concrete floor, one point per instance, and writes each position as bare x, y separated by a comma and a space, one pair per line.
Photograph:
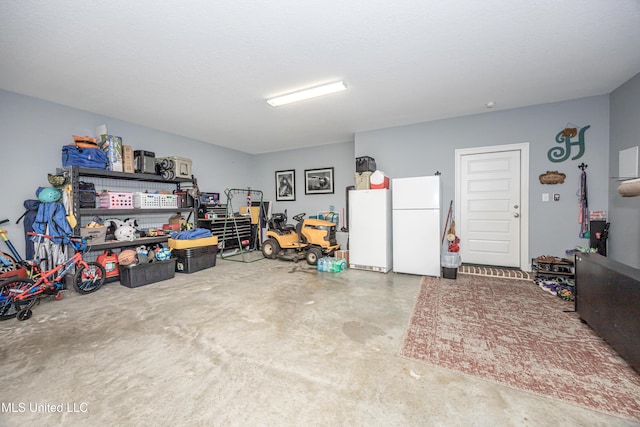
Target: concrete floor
264, 343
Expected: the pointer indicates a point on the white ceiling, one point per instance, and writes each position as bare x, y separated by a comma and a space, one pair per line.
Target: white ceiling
204, 68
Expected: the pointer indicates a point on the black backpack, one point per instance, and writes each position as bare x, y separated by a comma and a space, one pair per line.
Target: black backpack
87, 194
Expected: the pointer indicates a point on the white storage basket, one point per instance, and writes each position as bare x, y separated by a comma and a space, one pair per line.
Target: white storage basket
154, 201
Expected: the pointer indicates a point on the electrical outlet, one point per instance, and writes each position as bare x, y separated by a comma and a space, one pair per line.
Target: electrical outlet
556, 197
545, 197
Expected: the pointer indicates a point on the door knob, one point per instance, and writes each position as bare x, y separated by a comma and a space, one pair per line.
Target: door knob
516, 215
515, 206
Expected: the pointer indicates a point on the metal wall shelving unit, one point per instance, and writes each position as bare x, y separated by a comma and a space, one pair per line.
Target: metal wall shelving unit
139, 181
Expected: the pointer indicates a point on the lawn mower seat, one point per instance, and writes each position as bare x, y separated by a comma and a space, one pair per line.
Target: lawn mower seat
278, 220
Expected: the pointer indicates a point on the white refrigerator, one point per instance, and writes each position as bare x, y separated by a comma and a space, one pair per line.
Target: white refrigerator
416, 225
370, 230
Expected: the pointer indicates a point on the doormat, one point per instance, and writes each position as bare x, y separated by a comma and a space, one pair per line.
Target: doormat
517, 336
489, 271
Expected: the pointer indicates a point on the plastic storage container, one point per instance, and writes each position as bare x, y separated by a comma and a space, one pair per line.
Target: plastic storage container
192, 243
195, 259
133, 276
379, 180
449, 273
154, 201
450, 261
113, 200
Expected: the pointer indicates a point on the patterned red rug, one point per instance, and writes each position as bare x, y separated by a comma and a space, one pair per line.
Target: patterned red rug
513, 333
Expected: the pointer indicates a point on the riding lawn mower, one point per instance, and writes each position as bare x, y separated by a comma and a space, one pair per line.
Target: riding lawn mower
309, 239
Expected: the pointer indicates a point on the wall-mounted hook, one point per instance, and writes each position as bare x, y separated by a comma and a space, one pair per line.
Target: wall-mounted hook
582, 166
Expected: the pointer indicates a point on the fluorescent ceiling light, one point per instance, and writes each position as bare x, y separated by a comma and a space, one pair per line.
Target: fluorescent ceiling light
307, 94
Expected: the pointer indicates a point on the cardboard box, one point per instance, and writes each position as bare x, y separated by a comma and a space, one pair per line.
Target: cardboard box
127, 159
363, 180
112, 145
342, 254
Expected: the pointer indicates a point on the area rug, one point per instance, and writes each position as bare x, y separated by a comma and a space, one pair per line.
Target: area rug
513, 333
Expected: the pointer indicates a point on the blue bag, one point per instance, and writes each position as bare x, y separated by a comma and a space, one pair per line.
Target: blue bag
84, 157
196, 233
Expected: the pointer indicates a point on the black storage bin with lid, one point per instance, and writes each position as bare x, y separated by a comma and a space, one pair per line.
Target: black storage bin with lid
191, 260
133, 276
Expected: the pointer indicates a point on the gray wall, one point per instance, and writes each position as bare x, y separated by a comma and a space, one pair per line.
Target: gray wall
623, 243
33, 132
424, 148
339, 156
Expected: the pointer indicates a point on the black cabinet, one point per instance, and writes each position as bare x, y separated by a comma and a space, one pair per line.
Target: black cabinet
607, 295
141, 182
231, 231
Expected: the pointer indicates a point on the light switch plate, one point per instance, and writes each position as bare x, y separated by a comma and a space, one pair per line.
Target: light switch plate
545, 197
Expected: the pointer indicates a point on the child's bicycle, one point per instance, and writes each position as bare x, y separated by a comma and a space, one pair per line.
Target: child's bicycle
18, 295
10, 263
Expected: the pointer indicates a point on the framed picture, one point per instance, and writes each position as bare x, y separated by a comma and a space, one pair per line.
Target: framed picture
285, 185
318, 181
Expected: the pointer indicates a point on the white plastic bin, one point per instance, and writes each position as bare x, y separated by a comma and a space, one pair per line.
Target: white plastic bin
450, 259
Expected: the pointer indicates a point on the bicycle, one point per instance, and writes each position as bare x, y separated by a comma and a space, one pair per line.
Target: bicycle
15, 262
18, 295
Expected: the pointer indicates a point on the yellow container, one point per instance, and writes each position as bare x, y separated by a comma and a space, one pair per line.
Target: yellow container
193, 243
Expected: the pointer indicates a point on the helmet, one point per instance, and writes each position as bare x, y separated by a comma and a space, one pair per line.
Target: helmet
59, 180
48, 195
125, 233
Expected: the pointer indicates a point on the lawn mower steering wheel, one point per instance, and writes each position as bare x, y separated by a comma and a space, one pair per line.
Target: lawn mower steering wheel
299, 217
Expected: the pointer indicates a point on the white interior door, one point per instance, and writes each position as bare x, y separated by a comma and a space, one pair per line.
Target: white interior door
489, 207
